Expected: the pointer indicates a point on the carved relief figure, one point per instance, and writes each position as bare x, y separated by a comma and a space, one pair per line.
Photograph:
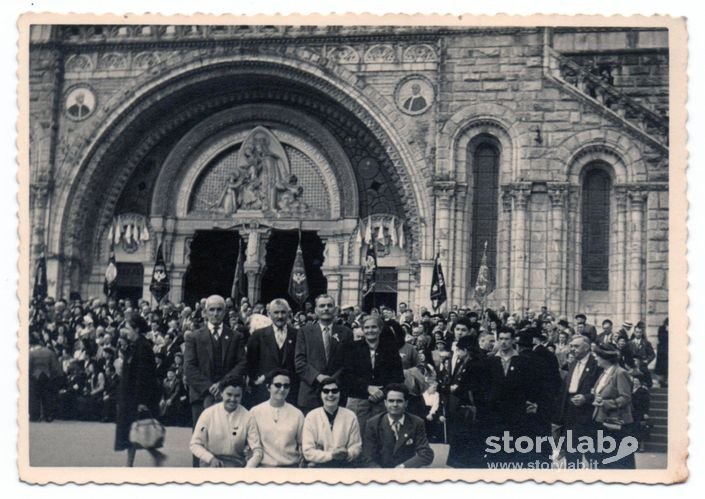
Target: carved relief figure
289, 195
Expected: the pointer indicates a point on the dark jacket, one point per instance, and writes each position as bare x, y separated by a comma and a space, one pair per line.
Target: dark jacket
200, 366
310, 359
381, 449
357, 368
570, 414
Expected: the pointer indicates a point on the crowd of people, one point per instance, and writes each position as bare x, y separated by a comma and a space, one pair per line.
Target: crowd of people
325, 387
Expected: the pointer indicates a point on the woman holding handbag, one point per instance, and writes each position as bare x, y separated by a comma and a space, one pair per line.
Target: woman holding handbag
613, 401
138, 392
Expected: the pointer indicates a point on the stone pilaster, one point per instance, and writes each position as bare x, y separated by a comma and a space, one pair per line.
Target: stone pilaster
618, 265
556, 254
635, 268
504, 236
518, 286
444, 192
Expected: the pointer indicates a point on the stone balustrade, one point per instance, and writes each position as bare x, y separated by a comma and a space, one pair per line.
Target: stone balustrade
596, 88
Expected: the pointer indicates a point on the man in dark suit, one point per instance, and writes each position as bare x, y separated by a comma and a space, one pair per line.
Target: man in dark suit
575, 406
270, 348
319, 352
510, 386
587, 329
392, 332
396, 439
368, 366
211, 354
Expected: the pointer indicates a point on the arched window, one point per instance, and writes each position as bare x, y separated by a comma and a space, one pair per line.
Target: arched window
595, 246
485, 196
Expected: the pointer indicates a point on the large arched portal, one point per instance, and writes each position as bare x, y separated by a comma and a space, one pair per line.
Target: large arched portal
171, 158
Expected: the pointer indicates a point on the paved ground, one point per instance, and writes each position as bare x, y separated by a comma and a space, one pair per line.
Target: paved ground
73, 443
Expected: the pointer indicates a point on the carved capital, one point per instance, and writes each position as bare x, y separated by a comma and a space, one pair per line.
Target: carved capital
521, 197
557, 196
638, 196
444, 189
507, 200
621, 197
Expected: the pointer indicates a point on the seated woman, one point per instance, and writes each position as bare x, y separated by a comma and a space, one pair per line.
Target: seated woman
226, 431
280, 424
331, 436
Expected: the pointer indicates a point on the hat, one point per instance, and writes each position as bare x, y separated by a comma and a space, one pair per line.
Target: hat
607, 351
526, 338
465, 343
581, 316
472, 314
348, 307
627, 325
563, 321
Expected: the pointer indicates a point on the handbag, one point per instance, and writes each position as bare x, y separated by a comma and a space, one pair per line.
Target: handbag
147, 433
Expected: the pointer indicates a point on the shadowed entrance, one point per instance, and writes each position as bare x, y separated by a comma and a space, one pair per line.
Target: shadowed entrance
281, 251
212, 264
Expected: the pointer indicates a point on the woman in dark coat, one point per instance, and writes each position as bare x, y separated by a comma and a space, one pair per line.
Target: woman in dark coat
138, 392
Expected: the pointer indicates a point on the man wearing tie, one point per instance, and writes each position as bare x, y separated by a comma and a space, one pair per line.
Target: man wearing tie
575, 407
270, 348
319, 352
212, 353
395, 438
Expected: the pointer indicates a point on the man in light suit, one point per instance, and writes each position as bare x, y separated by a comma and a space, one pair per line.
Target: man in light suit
212, 353
396, 439
319, 352
270, 348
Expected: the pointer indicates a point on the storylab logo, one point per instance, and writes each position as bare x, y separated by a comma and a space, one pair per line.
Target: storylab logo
601, 445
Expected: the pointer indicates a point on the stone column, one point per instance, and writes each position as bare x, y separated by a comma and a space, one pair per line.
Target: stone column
556, 263
444, 191
459, 248
256, 240
572, 278
518, 287
619, 262
504, 256
333, 260
635, 291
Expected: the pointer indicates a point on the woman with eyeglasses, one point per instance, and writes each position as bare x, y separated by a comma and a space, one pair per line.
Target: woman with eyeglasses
331, 437
280, 424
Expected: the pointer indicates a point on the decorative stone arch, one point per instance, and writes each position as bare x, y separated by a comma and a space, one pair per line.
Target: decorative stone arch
85, 154
616, 155
194, 152
467, 124
605, 145
468, 128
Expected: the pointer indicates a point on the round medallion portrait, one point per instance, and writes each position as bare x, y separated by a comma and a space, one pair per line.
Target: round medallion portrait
414, 94
79, 103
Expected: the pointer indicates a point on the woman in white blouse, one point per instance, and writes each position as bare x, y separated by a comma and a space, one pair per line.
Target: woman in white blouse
331, 433
280, 424
226, 433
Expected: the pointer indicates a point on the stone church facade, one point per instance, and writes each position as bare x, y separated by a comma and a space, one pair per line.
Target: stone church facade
545, 150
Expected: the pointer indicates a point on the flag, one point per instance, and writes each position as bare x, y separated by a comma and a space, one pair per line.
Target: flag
40, 280
111, 273
393, 233
238, 290
298, 284
368, 231
159, 287
380, 233
438, 285
482, 284
401, 234
370, 269
358, 235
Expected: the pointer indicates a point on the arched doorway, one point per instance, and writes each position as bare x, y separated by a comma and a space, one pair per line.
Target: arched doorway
213, 257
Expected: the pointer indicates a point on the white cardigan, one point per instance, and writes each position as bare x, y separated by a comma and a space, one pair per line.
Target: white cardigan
319, 441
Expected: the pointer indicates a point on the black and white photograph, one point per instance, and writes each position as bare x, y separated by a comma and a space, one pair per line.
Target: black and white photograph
451, 247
